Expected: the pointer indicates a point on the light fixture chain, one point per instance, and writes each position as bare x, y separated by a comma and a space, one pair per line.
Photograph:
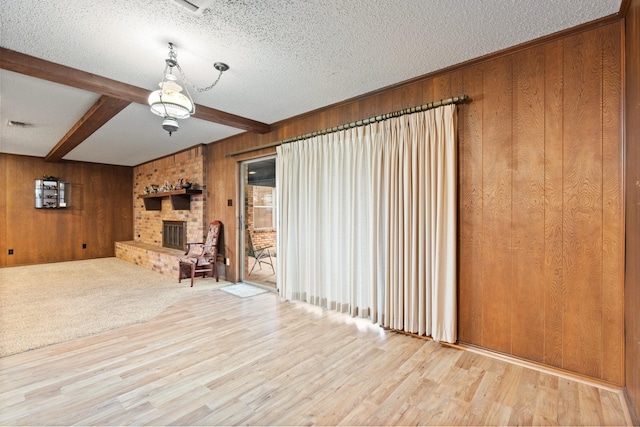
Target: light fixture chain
198, 89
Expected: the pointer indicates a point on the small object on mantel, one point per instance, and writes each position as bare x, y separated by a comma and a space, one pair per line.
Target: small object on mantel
182, 184
167, 186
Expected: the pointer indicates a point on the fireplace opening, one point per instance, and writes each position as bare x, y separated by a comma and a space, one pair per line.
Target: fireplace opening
174, 234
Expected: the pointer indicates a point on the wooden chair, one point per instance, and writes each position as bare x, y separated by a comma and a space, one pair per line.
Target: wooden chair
260, 254
202, 257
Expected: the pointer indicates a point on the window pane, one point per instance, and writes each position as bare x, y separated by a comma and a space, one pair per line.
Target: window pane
263, 207
262, 217
262, 196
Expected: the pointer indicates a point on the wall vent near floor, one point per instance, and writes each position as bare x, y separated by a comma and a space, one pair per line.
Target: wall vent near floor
174, 234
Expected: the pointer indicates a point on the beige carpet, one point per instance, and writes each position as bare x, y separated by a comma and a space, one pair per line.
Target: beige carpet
46, 304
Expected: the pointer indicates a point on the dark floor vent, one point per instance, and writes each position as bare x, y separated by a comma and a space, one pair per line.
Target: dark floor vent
174, 234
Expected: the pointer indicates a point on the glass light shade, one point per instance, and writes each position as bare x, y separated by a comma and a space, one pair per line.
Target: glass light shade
169, 102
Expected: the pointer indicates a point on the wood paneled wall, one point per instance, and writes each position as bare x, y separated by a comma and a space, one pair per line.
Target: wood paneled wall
100, 211
632, 162
540, 197
541, 213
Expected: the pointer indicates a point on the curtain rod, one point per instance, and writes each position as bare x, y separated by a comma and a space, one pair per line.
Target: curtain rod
429, 106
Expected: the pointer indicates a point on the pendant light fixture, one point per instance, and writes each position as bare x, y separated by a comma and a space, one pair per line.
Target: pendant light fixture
169, 102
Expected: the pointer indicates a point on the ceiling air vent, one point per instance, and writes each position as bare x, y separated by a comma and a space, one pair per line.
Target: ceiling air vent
195, 6
17, 124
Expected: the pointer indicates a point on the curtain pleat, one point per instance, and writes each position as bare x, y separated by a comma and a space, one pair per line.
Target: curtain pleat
368, 222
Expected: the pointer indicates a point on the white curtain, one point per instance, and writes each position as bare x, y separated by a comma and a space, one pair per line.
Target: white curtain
368, 222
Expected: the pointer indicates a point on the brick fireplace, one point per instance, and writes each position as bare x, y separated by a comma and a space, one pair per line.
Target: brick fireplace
147, 247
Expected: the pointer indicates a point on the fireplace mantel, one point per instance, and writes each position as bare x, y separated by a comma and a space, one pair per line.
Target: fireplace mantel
180, 199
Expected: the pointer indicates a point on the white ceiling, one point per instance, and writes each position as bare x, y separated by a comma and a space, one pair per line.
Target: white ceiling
286, 57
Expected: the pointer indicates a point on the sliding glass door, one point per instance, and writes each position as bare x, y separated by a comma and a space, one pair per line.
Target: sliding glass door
259, 219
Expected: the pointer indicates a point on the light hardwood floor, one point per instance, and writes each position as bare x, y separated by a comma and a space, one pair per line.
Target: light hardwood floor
216, 359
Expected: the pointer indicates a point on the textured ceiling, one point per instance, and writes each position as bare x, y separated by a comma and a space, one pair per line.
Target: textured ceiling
286, 58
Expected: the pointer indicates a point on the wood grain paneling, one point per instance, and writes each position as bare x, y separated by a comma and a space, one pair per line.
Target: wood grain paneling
408, 95
470, 209
497, 156
582, 201
441, 87
612, 205
219, 192
632, 203
99, 211
30, 231
540, 267
527, 212
427, 92
553, 282
106, 223
373, 106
